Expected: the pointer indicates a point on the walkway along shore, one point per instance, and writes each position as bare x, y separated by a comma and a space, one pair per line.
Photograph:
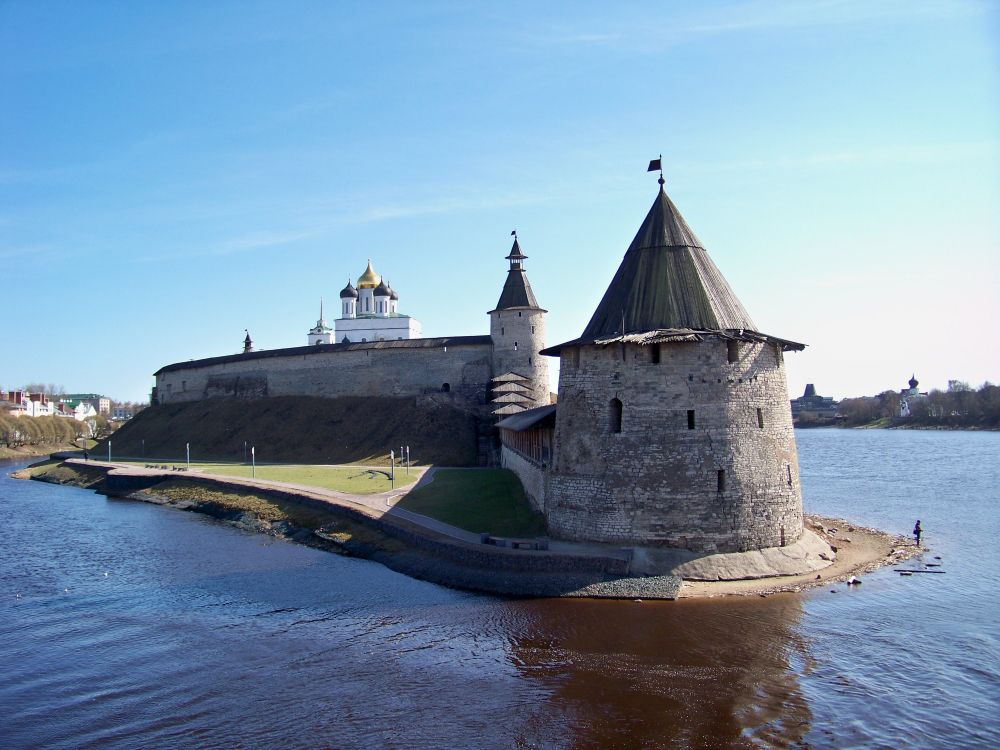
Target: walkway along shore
371, 526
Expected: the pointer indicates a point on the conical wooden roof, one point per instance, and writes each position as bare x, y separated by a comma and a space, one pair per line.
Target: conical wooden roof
666, 281
516, 289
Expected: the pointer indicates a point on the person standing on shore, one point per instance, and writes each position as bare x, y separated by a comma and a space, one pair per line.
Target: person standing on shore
917, 531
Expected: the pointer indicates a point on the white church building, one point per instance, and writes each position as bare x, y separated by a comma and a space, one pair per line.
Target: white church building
368, 312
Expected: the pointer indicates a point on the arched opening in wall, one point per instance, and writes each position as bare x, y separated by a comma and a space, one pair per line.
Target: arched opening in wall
615, 415
690, 419
733, 351
720, 480
788, 471
760, 418
501, 330
654, 354
532, 329
446, 388
515, 346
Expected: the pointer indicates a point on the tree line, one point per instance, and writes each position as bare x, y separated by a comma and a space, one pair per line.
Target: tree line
959, 406
20, 431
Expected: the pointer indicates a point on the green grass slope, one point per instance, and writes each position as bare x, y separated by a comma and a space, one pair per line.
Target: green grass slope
485, 500
300, 429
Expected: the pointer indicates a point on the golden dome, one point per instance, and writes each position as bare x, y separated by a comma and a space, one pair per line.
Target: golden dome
369, 279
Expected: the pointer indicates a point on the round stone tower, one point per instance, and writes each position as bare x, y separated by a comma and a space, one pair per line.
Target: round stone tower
673, 426
517, 327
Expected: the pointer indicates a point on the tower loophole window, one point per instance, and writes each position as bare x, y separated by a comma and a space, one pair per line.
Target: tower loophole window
733, 351
654, 354
446, 388
690, 419
720, 480
615, 415
760, 418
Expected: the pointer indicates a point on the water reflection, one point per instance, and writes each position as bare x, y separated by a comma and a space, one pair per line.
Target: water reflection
667, 674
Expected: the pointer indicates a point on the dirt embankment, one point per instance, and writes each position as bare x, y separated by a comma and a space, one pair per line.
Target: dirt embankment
301, 429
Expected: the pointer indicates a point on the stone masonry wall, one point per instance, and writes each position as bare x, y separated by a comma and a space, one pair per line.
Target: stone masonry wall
518, 335
657, 482
465, 369
531, 474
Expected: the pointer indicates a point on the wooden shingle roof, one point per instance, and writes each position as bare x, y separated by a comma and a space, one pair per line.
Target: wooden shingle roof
667, 280
667, 283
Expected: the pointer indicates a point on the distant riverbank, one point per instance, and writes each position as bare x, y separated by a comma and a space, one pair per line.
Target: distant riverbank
32, 451
903, 424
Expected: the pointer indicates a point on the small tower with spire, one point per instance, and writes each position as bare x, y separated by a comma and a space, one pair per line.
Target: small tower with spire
247, 342
321, 333
517, 327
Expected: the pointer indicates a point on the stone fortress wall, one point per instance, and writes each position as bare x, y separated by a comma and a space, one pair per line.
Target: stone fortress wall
705, 457
457, 368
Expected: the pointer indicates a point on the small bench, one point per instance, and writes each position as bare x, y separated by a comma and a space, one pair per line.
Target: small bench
500, 541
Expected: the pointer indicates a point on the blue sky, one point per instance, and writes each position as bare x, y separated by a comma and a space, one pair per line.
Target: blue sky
172, 173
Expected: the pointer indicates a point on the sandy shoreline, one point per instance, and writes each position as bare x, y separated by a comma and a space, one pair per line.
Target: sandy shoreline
859, 549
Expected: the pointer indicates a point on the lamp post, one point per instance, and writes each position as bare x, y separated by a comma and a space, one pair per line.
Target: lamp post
187, 455
253, 462
109, 451
407, 459
392, 470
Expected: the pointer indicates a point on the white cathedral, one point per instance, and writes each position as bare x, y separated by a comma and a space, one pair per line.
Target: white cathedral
368, 313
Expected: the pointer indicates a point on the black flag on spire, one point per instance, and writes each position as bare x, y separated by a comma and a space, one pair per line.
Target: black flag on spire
655, 165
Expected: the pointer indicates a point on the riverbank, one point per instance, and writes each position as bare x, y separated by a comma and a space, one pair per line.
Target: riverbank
900, 424
373, 528
32, 451
859, 550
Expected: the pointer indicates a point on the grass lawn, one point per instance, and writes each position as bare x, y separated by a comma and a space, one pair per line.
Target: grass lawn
478, 500
351, 479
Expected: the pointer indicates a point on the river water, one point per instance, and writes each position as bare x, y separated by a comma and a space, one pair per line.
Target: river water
126, 625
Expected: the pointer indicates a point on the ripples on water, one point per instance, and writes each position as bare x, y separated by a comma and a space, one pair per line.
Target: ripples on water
200, 635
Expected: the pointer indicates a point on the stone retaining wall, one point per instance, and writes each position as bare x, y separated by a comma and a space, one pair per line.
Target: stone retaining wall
122, 483
531, 474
